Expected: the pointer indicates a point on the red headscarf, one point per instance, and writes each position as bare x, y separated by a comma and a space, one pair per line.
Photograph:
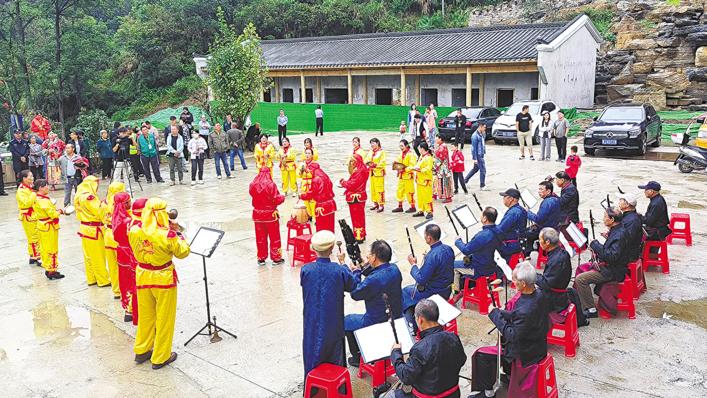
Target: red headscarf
138, 205
358, 163
120, 221
262, 188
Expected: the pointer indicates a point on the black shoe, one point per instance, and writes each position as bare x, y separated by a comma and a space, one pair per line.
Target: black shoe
32, 261
590, 314
480, 394
411, 210
505, 379
53, 275
455, 192
3, 193
129, 318
418, 214
140, 358
261, 262
428, 216
171, 359
278, 262
354, 361
397, 210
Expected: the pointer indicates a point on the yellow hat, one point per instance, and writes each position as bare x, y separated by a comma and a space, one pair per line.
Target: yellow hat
323, 241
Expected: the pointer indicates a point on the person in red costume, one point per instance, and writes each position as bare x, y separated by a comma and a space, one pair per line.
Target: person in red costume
120, 223
266, 198
40, 126
356, 197
322, 192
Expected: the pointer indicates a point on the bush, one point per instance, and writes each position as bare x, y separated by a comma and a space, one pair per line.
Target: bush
91, 123
152, 100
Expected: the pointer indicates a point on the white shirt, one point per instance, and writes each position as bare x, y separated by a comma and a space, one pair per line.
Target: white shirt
319, 113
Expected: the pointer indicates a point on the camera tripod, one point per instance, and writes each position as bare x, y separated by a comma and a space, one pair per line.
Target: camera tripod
124, 166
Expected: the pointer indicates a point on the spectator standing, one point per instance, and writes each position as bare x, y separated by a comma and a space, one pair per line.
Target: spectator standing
457, 165
252, 136
442, 184
105, 151
134, 154
197, 148
403, 131
524, 124
168, 130
175, 154
147, 146
121, 148
36, 158
418, 132
561, 127
281, 126
431, 119
237, 139
228, 123
19, 149
220, 145
55, 149
411, 117
459, 126
40, 126
478, 154
114, 132
72, 175
155, 133
204, 131
572, 165
187, 118
319, 118
79, 145
545, 136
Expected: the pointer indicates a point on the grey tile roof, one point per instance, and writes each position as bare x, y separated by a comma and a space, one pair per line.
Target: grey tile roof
448, 46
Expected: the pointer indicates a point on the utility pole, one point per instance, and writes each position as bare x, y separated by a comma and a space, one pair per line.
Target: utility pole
442, 8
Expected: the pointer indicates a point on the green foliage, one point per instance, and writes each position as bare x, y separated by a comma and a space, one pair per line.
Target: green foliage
149, 100
92, 122
237, 71
672, 2
601, 18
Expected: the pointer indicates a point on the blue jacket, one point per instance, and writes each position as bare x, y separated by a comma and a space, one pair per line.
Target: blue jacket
513, 223
323, 286
549, 214
614, 253
19, 149
435, 276
478, 148
386, 278
481, 248
105, 149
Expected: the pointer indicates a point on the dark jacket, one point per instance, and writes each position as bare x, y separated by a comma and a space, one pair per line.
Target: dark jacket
105, 148
481, 249
187, 117
525, 328
633, 230
383, 279
613, 252
656, 219
237, 137
434, 362
19, 149
459, 122
569, 204
548, 213
555, 278
513, 223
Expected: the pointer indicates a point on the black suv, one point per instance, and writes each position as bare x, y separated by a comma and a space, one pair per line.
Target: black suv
625, 126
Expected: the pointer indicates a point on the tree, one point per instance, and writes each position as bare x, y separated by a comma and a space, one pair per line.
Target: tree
237, 71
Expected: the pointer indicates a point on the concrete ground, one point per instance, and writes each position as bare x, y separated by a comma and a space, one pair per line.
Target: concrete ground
62, 338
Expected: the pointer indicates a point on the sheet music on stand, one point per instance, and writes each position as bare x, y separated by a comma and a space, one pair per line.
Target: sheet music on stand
566, 245
465, 216
205, 241
375, 341
529, 198
447, 312
576, 235
420, 228
503, 265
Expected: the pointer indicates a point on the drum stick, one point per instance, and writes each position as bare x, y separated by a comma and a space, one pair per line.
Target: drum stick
451, 220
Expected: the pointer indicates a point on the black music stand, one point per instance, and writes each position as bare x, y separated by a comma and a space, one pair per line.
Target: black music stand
204, 243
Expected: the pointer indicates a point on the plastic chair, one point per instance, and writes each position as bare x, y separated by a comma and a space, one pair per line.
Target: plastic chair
298, 229
547, 381
661, 261
625, 300
303, 250
330, 378
570, 334
479, 294
680, 225
379, 370
637, 278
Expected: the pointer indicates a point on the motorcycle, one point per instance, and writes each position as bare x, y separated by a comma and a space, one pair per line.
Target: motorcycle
692, 157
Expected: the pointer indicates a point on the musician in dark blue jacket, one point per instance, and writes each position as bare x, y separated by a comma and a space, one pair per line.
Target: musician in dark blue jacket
556, 277
632, 225
385, 278
479, 251
569, 198
548, 215
513, 224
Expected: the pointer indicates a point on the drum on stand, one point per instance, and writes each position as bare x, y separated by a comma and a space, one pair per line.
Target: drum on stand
299, 213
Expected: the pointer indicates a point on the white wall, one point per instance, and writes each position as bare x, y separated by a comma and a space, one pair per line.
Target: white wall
521, 83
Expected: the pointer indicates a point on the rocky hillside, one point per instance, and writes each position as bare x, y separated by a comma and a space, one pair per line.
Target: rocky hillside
655, 50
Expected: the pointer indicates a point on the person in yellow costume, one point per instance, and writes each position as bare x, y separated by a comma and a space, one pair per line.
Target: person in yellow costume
308, 145
25, 203
375, 160
406, 184
111, 244
306, 174
264, 154
154, 245
88, 212
357, 149
423, 179
288, 167
48, 229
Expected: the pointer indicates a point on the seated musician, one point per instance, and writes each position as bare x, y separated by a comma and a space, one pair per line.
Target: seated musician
512, 224
609, 262
556, 277
569, 198
632, 225
524, 329
656, 220
384, 278
435, 276
479, 251
548, 214
432, 369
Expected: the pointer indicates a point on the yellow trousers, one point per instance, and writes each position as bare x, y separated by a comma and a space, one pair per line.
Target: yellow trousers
49, 242
424, 198
406, 191
310, 205
289, 181
155, 325
32, 235
94, 258
112, 260
378, 190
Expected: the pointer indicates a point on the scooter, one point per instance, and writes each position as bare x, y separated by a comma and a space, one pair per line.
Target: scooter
691, 157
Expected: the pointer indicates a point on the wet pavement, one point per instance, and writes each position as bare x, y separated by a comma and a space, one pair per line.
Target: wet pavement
63, 338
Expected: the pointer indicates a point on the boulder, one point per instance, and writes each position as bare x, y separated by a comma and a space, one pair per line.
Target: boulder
701, 56
642, 67
624, 37
653, 97
618, 92
698, 38
668, 81
625, 76
697, 74
686, 30
670, 41
641, 44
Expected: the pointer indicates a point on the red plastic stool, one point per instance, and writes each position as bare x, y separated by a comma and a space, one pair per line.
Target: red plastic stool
379, 370
547, 382
298, 229
680, 232
542, 258
662, 258
479, 294
625, 300
570, 335
303, 249
330, 378
637, 278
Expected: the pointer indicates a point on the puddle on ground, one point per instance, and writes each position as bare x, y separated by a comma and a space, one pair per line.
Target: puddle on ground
691, 311
52, 324
689, 205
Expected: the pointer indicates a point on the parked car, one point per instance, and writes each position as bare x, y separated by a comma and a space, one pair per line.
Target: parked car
474, 117
504, 129
624, 127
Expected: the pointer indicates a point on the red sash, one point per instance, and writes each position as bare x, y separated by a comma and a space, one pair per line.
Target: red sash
440, 395
154, 267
